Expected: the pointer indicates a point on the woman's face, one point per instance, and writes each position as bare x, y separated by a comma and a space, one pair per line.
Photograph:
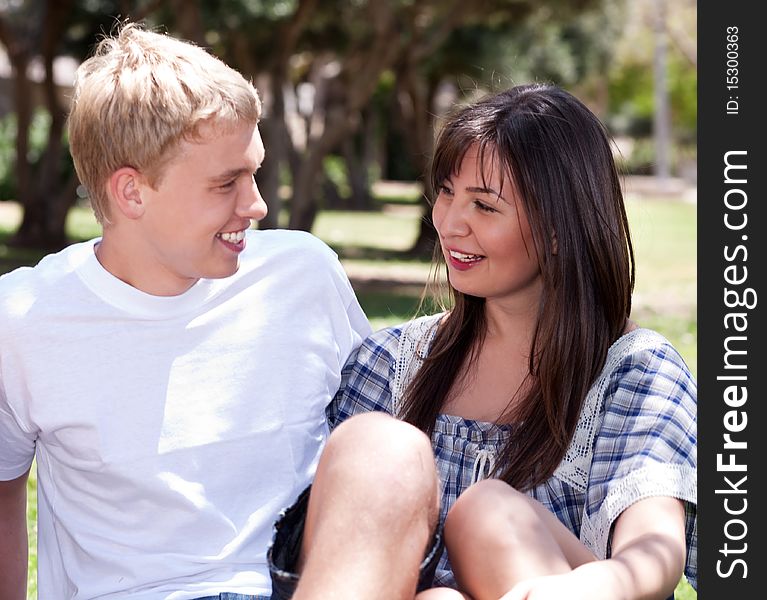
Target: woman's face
485, 236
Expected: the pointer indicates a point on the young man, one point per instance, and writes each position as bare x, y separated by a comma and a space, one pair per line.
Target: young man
171, 377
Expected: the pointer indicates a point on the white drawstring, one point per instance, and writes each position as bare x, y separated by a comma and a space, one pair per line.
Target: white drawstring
483, 465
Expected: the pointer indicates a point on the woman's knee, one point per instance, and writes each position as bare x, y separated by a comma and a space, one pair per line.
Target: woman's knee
377, 427
381, 438
391, 456
488, 512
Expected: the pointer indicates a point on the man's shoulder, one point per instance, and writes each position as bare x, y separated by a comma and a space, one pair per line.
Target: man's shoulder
290, 236
285, 239
30, 284
301, 248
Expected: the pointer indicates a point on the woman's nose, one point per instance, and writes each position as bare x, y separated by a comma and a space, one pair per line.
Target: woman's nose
452, 221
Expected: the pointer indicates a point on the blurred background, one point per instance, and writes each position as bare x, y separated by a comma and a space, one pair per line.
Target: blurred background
354, 91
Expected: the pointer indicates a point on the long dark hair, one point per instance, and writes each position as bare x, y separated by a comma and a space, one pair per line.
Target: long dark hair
559, 158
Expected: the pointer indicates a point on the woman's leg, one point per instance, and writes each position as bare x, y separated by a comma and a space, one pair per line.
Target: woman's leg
373, 510
496, 537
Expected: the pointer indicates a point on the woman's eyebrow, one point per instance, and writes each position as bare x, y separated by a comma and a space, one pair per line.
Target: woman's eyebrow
485, 190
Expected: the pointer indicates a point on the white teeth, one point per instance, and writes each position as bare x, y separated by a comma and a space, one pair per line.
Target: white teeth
465, 257
233, 237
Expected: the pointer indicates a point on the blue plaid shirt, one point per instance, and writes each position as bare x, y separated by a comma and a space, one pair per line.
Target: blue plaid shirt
636, 436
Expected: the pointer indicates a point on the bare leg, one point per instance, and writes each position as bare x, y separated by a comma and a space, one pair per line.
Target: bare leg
496, 537
373, 509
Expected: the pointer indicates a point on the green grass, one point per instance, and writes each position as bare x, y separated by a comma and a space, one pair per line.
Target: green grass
370, 246
32, 529
665, 298
386, 230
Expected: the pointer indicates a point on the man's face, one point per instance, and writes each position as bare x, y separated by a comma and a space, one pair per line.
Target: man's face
194, 220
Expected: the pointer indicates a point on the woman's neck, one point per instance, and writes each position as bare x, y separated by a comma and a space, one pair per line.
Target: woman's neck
489, 386
512, 324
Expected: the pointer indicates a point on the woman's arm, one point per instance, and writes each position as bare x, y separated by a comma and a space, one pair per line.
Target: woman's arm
648, 554
648, 547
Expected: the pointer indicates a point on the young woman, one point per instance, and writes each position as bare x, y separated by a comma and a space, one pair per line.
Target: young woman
573, 429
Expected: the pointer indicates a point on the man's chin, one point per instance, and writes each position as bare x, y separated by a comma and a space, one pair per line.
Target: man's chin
222, 271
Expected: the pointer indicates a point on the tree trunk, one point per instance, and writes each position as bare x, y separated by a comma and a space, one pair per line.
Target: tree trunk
277, 139
357, 169
276, 142
661, 113
418, 118
188, 19
331, 196
427, 237
44, 202
373, 143
303, 205
353, 88
22, 98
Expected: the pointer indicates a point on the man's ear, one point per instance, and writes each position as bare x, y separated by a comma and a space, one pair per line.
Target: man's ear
125, 186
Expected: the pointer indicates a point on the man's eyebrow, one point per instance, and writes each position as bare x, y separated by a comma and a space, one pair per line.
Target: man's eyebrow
231, 174
485, 190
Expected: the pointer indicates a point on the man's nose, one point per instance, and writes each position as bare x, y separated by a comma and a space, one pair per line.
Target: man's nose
251, 203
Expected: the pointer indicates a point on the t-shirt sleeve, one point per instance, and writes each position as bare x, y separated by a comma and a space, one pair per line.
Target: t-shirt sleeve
358, 322
366, 379
17, 446
646, 445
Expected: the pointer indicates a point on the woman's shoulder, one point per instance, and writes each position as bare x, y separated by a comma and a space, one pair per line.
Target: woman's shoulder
644, 373
637, 337
646, 349
645, 391
413, 331
422, 328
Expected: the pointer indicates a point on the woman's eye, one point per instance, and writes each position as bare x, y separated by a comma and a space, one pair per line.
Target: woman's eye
484, 207
443, 189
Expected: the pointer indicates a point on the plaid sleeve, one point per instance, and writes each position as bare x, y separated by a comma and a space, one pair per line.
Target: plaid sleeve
366, 378
647, 444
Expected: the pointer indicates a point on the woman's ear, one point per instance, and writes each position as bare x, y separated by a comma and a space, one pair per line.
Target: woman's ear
125, 190
554, 245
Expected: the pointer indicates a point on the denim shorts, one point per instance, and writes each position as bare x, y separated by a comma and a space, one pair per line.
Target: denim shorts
286, 546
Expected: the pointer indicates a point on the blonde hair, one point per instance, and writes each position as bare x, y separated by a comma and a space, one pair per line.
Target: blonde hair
139, 96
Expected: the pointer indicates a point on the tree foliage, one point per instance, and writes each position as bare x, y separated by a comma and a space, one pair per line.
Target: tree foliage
362, 80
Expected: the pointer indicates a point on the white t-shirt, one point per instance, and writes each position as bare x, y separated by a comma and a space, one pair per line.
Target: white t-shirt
169, 431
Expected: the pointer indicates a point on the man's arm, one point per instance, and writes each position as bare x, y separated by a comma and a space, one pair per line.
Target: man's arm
13, 538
